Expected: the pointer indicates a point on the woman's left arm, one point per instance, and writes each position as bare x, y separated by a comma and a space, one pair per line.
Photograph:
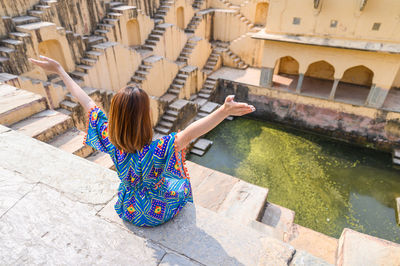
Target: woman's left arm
53, 66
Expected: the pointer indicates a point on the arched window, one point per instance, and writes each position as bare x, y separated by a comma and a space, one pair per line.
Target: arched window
53, 49
133, 31
180, 17
261, 14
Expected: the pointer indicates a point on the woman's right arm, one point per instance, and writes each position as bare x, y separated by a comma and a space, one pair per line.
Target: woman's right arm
53, 66
205, 124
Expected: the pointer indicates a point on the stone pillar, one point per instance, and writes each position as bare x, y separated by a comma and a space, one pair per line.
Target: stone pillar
299, 83
266, 77
376, 96
333, 91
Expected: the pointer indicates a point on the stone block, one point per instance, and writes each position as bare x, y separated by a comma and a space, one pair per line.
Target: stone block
202, 144
76, 177
16, 104
46, 227
279, 218
172, 259
315, 243
360, 249
244, 202
302, 258
212, 192
197, 152
178, 104
209, 107
13, 187
211, 239
197, 173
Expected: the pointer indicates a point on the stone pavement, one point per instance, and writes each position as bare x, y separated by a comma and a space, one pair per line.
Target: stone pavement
57, 208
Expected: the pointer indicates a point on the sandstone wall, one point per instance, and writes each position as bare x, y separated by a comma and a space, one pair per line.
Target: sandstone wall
354, 124
227, 26
248, 49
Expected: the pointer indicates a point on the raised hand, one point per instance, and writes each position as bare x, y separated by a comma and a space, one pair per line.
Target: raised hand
47, 64
236, 108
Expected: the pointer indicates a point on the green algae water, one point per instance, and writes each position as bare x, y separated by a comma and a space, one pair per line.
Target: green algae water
330, 185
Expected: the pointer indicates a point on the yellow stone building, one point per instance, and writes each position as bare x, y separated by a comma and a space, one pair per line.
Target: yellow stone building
342, 50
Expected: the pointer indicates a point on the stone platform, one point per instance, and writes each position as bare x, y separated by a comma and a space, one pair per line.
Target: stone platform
56, 207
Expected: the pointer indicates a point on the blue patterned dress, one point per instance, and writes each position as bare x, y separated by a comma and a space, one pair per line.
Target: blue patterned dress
154, 181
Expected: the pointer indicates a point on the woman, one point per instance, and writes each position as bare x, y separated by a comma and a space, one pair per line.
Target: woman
154, 181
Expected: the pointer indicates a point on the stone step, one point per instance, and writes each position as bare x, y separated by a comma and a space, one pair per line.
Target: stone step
69, 105
197, 152
6, 51
244, 202
162, 130
179, 81
95, 39
72, 141
19, 35
88, 61
172, 113
203, 95
209, 107
157, 32
83, 68
114, 15
315, 243
44, 125
169, 118
280, 218
396, 153
148, 47
102, 159
22, 20
41, 7
165, 123
169, 98
17, 104
202, 144
78, 75
11, 43
359, 249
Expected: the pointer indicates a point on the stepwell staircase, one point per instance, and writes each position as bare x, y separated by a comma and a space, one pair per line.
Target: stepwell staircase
162, 11
28, 113
229, 5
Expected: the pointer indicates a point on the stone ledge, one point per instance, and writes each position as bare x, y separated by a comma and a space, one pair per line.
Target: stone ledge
360, 249
210, 239
58, 169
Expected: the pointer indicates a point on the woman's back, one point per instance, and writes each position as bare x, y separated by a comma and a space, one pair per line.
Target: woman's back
154, 185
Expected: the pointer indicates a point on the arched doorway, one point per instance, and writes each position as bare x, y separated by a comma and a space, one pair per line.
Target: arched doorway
53, 49
260, 18
318, 79
288, 73
133, 31
355, 84
180, 18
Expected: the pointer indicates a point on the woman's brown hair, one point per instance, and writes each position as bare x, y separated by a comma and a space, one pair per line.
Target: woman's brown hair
130, 125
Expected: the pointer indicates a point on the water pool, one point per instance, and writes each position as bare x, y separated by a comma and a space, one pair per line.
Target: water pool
330, 185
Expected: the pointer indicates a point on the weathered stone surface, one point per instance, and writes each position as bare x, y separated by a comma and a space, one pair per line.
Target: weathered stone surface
315, 243
178, 104
212, 192
211, 239
197, 173
279, 218
171, 259
45, 227
13, 187
16, 105
359, 249
56, 168
244, 202
302, 258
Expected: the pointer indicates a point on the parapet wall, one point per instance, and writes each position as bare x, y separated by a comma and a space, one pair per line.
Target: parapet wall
359, 125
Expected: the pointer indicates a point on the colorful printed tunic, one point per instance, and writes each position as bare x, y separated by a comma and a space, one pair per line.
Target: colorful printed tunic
154, 182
